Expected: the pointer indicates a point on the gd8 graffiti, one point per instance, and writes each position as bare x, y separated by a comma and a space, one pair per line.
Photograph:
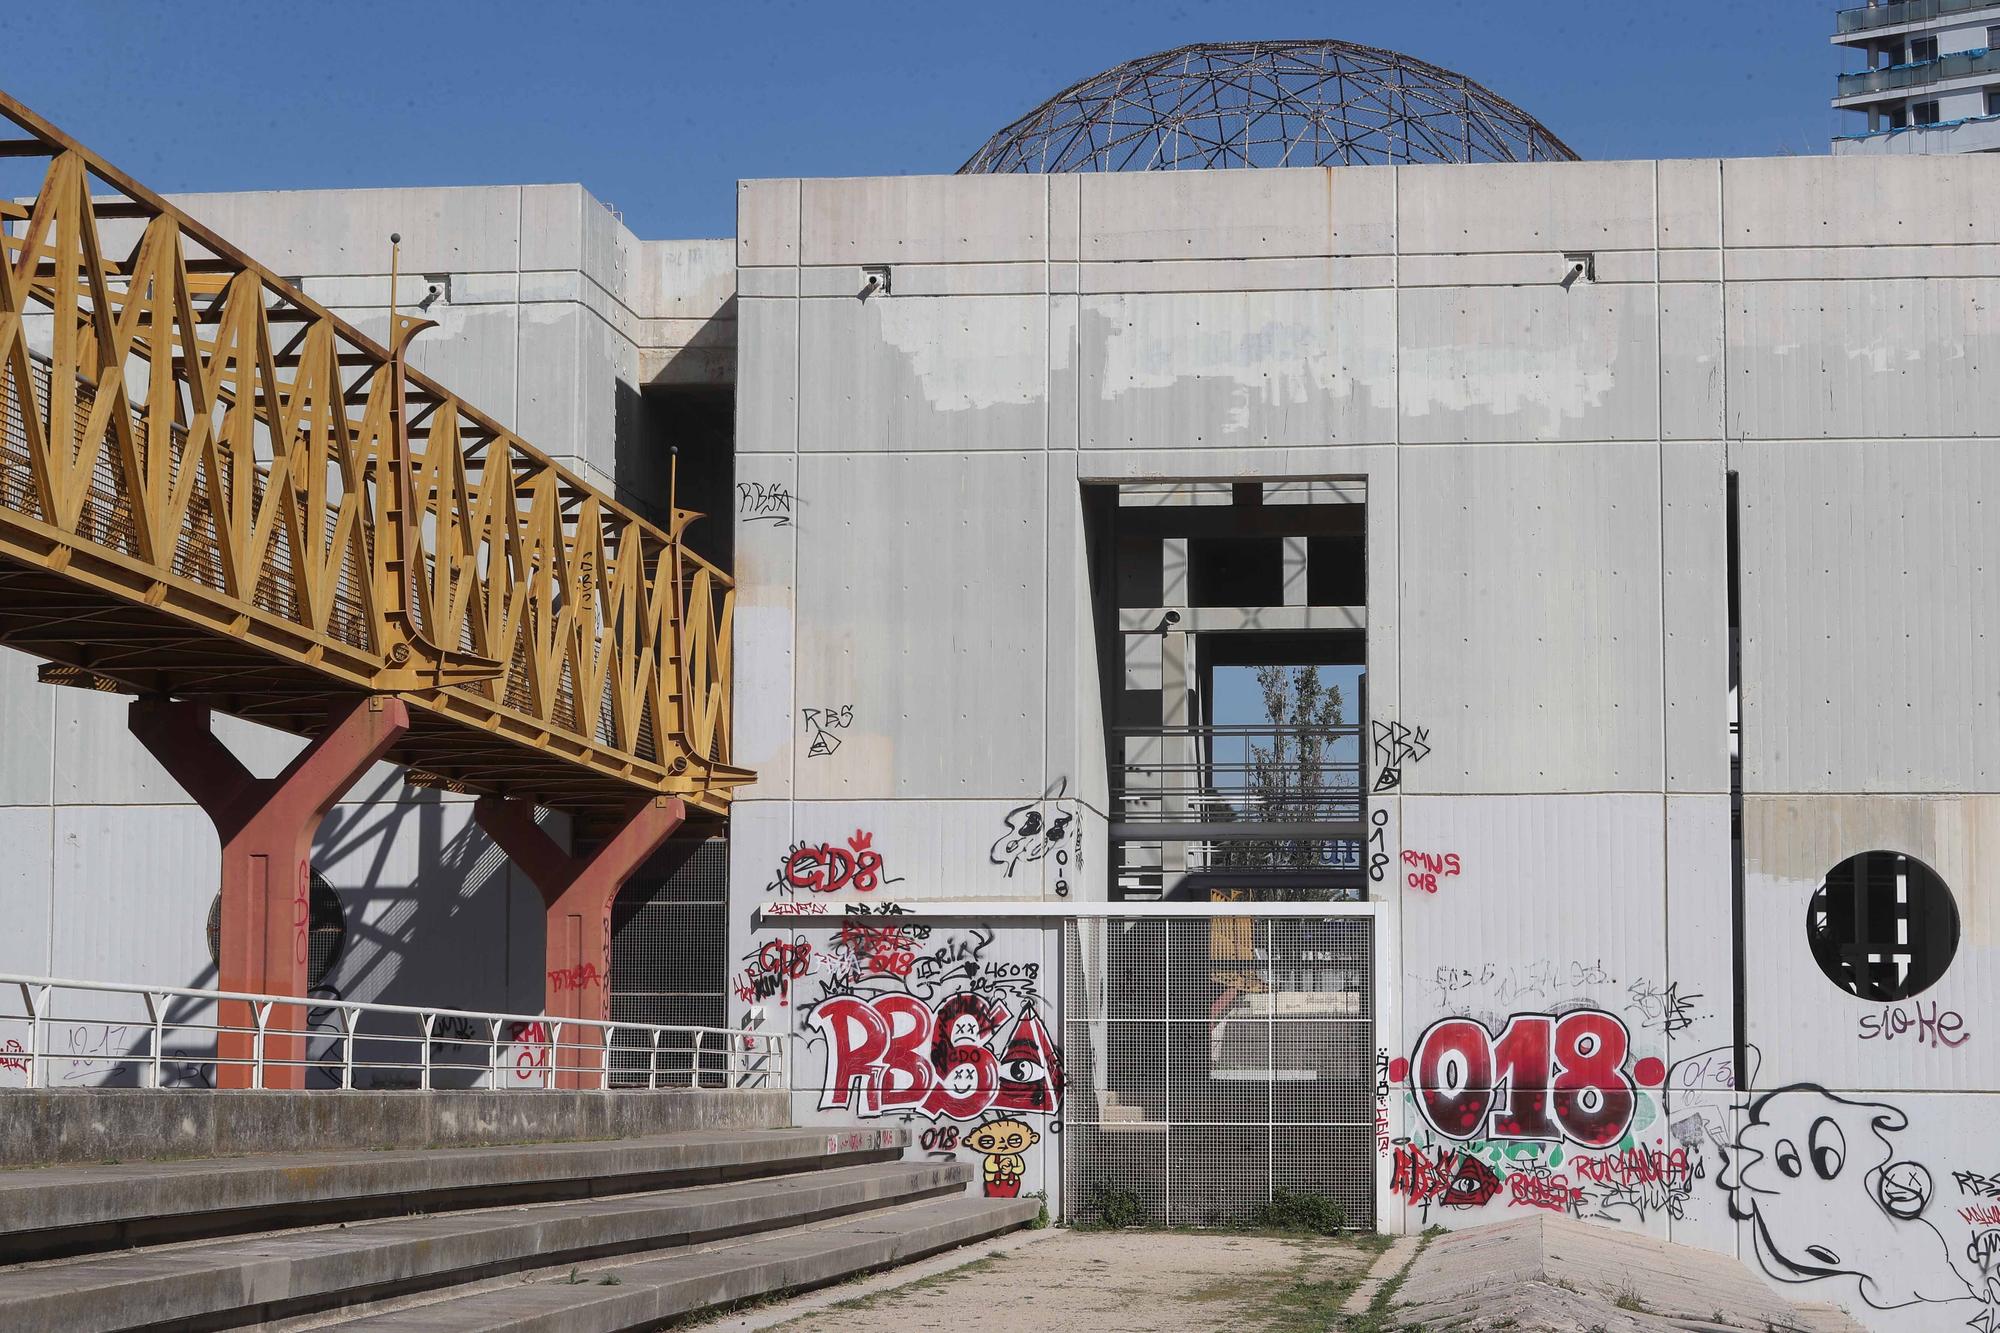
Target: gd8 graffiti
1545, 1076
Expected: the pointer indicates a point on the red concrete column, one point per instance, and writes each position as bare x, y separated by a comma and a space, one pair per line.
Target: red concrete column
577, 894
266, 826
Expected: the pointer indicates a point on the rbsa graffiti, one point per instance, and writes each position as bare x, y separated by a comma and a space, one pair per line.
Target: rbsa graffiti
895, 1053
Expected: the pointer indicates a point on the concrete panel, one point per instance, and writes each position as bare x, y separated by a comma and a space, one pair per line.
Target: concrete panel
1066, 216
1695, 586
1869, 615
1557, 902
893, 374
767, 418
444, 230
925, 849
132, 888
1694, 1005
25, 891
683, 279
920, 603
1239, 275
1178, 371
1525, 206
549, 407
471, 352
1063, 387
767, 222
923, 219
1769, 201
1528, 363
1863, 360
1021, 278
1691, 378
552, 227
1810, 1029
1690, 203
770, 516
27, 731
1228, 215
1531, 630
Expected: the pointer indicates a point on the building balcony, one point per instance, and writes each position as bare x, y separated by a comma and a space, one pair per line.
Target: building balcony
1898, 79
1981, 134
1872, 18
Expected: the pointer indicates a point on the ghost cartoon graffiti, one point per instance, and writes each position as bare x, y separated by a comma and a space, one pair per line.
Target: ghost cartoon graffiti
1002, 1142
1815, 1175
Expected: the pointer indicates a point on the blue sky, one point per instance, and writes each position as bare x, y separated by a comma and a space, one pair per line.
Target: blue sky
659, 107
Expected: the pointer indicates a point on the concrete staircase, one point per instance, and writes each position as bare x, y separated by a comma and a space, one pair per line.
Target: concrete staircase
550, 1236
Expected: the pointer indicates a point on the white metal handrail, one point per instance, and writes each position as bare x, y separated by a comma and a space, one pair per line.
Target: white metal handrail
487, 1049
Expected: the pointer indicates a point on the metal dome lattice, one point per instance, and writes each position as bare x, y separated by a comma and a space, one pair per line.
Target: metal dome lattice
1268, 104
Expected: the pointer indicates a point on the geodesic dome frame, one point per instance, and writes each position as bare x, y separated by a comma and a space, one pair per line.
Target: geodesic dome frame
1268, 104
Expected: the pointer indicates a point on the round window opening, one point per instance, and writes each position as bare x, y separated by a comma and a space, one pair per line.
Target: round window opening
1882, 926
326, 931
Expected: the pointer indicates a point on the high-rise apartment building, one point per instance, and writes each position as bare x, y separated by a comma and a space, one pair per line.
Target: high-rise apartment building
1930, 77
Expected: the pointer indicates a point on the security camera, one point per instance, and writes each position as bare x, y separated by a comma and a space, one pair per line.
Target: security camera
874, 279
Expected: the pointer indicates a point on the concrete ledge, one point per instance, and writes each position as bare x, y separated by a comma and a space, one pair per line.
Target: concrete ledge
651, 1291
269, 1277
71, 1210
41, 1127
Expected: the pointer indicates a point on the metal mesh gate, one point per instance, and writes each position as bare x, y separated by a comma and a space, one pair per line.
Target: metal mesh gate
669, 965
1214, 1061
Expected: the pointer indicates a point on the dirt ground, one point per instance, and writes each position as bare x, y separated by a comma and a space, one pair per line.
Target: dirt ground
1116, 1282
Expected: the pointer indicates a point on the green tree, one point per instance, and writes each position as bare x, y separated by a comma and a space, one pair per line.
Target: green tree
1291, 775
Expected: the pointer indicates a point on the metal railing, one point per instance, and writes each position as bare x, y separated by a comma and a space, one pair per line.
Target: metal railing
121, 1036
1238, 781
1868, 17
1958, 65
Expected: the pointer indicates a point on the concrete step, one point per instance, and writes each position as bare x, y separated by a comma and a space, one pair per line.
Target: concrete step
229, 1284
650, 1290
74, 1210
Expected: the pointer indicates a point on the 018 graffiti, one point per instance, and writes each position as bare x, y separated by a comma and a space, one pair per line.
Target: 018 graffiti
1543, 1076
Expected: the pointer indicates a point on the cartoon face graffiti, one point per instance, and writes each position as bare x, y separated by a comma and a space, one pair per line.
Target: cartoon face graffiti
1815, 1176
1002, 1142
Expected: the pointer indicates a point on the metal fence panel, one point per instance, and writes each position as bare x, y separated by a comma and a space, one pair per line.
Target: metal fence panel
1213, 1061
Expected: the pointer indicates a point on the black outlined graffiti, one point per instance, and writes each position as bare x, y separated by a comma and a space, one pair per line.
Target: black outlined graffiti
822, 723
1034, 832
1816, 1175
764, 502
1378, 844
1397, 746
1668, 1009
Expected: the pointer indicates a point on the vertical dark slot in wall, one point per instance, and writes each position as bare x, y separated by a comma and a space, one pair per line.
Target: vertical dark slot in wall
1738, 969
700, 422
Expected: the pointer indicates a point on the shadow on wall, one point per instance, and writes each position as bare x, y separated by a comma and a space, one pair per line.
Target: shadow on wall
430, 915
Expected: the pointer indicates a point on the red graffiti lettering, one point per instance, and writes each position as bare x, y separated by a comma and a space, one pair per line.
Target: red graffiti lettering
580, 977
1978, 1214
1427, 868
1562, 1075
16, 1057
1451, 1179
827, 868
1543, 1189
894, 1053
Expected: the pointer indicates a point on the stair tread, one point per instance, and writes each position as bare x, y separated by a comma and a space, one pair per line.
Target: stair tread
43, 1198
651, 1288
190, 1278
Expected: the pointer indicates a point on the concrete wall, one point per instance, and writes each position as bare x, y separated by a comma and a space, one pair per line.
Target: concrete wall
555, 320
1545, 468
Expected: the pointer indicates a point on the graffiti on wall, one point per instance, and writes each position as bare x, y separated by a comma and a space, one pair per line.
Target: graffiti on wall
1820, 1182
764, 502
1423, 870
830, 867
1908, 1022
938, 1026
1034, 832
1396, 748
823, 725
